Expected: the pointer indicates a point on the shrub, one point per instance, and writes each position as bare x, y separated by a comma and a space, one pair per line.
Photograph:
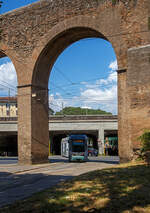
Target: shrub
145, 145
145, 141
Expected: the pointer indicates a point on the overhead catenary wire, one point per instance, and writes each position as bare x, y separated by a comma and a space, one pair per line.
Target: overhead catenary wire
86, 100
99, 86
55, 105
79, 82
10, 85
59, 87
76, 98
57, 69
71, 84
7, 87
73, 93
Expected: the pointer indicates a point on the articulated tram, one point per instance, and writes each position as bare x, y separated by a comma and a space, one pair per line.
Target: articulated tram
75, 147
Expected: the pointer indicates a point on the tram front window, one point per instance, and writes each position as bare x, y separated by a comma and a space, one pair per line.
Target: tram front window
78, 147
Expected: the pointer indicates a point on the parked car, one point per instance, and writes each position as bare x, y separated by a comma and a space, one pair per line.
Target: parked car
92, 151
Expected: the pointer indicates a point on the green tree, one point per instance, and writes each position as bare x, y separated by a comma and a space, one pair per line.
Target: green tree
145, 146
145, 141
81, 111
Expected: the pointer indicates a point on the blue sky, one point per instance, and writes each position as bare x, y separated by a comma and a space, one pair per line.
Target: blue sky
83, 75
9, 5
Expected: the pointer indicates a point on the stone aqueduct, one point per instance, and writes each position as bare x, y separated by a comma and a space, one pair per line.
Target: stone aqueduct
34, 36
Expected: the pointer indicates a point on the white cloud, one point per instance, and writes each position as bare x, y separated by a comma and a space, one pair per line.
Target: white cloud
101, 94
8, 76
83, 82
113, 65
86, 107
8, 73
112, 77
110, 80
105, 99
56, 102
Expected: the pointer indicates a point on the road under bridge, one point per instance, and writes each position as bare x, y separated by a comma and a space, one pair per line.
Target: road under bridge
96, 127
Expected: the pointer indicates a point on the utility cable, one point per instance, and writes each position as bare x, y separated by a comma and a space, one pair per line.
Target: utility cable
65, 77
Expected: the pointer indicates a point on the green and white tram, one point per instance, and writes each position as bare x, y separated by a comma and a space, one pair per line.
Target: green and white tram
75, 147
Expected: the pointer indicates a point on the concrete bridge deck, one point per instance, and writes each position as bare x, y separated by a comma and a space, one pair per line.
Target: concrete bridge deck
95, 125
68, 123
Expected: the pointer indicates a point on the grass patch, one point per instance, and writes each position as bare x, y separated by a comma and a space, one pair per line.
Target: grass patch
122, 189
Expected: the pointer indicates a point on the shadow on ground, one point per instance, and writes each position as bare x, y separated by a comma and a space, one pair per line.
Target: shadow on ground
15, 187
107, 161
114, 190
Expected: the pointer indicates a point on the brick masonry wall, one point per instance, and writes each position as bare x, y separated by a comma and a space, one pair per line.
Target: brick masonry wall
34, 34
23, 28
138, 93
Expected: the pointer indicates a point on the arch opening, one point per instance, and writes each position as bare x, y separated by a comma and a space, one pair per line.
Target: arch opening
8, 106
83, 82
51, 53
55, 47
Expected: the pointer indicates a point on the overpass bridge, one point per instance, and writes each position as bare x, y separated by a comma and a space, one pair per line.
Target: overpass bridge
95, 126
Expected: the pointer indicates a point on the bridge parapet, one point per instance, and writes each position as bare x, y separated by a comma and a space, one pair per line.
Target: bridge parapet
84, 117
8, 118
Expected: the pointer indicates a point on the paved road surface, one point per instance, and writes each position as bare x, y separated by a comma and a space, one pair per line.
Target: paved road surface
18, 182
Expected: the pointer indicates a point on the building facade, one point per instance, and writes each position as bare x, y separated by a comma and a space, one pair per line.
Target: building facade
8, 107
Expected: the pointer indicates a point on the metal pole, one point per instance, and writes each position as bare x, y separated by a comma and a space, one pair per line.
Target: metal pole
9, 101
62, 108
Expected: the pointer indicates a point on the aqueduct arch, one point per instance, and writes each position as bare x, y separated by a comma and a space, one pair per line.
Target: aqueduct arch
35, 35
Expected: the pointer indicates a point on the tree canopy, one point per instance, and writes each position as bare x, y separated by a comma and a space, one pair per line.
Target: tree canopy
82, 111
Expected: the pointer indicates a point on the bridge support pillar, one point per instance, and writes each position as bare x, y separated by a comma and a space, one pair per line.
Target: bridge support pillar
50, 144
101, 141
33, 136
